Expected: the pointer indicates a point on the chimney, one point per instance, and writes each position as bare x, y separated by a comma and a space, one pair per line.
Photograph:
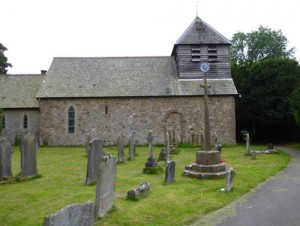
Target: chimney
43, 72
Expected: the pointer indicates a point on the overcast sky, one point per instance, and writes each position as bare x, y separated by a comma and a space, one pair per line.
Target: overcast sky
35, 31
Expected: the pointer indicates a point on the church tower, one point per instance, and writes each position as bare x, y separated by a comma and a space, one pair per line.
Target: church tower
202, 43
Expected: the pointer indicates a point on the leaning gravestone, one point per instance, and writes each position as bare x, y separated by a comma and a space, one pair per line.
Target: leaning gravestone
5, 158
72, 215
95, 154
170, 172
29, 147
105, 191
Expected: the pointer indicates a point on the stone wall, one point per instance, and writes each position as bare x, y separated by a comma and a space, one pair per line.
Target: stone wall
14, 123
106, 117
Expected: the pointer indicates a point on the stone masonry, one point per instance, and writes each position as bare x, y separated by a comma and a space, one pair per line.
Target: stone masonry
106, 117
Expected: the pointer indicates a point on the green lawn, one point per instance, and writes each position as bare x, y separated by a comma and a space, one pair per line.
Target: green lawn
63, 171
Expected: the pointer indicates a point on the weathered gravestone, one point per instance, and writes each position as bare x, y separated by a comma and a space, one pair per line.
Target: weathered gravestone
131, 147
229, 179
29, 147
139, 192
170, 172
72, 215
87, 144
247, 137
105, 192
120, 148
5, 158
95, 154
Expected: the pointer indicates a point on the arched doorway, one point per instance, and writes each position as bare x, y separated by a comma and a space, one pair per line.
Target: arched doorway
175, 126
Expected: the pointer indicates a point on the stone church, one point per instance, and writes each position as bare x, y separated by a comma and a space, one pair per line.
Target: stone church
103, 96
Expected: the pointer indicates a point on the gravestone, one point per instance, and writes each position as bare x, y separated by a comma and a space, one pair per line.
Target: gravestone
105, 191
247, 137
151, 163
5, 158
139, 192
131, 146
72, 215
29, 147
253, 155
120, 148
170, 172
162, 154
167, 148
229, 179
95, 154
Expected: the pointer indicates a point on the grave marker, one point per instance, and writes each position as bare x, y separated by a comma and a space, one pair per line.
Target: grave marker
95, 154
170, 172
72, 215
29, 147
105, 191
5, 158
120, 148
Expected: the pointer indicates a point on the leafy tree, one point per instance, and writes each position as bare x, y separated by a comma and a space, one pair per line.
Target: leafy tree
3, 60
295, 104
266, 91
248, 48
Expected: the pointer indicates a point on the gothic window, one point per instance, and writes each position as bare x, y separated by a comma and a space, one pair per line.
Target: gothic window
25, 122
196, 54
212, 53
3, 121
71, 120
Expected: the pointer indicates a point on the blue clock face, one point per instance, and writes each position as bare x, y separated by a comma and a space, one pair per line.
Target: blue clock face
204, 67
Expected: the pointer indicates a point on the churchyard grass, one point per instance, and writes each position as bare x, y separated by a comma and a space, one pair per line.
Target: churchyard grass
62, 172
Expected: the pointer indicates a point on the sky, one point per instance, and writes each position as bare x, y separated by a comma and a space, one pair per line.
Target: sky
36, 31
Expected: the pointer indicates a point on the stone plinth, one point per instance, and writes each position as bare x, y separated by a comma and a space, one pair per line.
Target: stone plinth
207, 165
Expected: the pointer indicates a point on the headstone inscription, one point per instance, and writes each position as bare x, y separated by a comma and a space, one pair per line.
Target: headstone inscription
95, 154
120, 148
72, 215
29, 147
170, 172
105, 191
5, 158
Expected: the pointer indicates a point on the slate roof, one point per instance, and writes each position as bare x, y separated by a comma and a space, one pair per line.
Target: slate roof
122, 77
19, 91
199, 32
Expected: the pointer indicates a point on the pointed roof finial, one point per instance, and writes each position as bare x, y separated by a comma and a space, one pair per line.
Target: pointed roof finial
197, 6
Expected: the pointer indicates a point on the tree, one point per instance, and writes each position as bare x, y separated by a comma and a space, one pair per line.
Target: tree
3, 60
248, 48
295, 104
266, 95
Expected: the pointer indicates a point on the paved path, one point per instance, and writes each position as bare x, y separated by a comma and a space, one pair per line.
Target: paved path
275, 202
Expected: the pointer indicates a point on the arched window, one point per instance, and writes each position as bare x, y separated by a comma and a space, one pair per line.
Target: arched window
71, 120
25, 122
3, 121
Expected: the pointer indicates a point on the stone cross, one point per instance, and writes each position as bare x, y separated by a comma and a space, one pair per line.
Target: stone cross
5, 158
150, 140
207, 141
